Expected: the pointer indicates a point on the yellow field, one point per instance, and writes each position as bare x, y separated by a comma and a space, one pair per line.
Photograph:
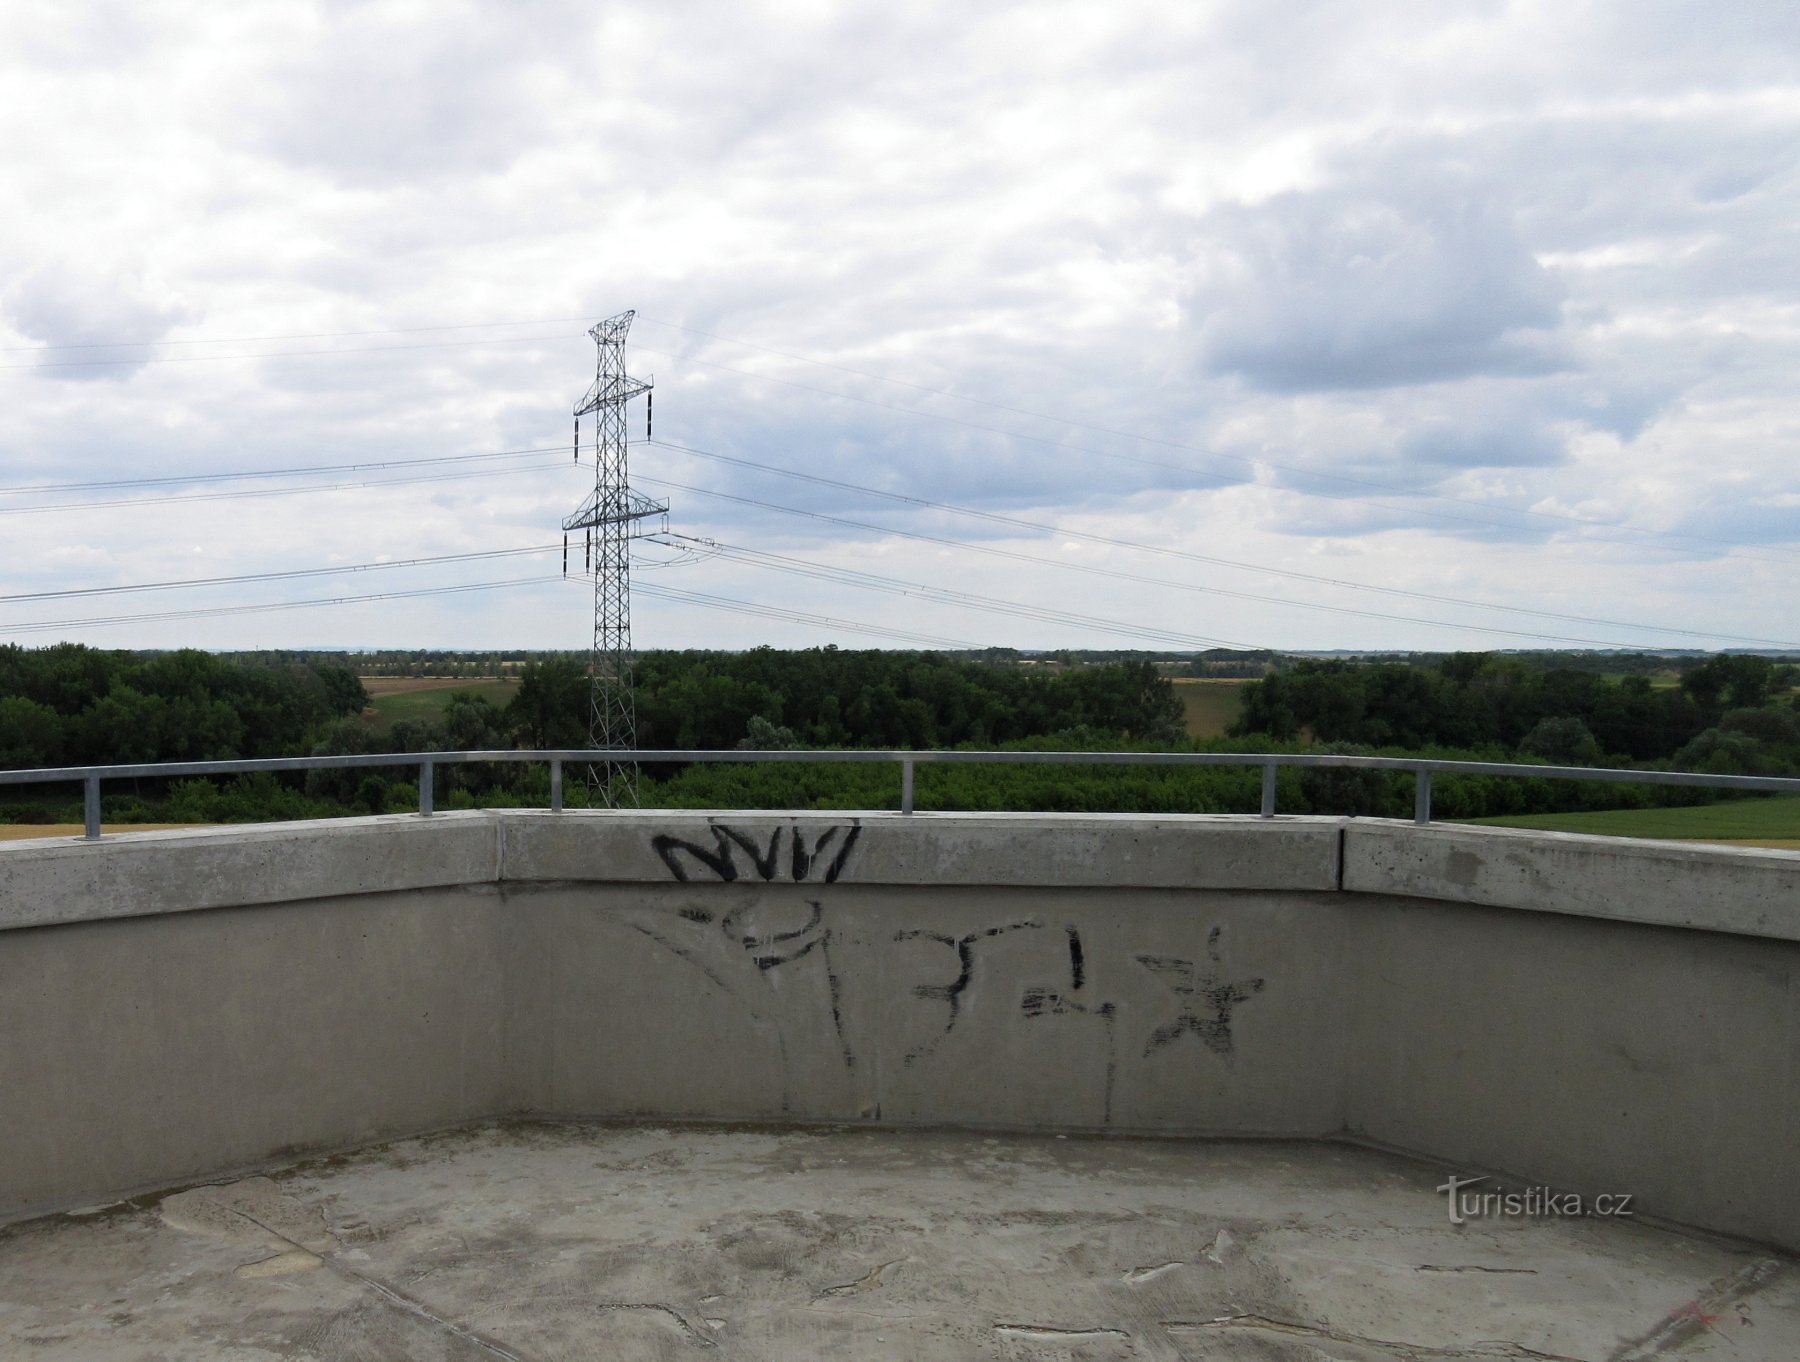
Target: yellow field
1209, 706
393, 698
401, 685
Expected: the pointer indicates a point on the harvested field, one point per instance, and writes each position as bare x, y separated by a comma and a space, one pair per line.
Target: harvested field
1209, 706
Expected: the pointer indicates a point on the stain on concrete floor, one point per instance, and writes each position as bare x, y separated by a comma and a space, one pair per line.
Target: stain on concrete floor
562, 1241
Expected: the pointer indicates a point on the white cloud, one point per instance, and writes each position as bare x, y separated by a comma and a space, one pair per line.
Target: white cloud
1370, 288
1337, 281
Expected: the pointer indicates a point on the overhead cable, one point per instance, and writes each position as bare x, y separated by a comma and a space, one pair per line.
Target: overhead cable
1065, 446
129, 503
1040, 527
248, 474
725, 603
963, 599
1185, 586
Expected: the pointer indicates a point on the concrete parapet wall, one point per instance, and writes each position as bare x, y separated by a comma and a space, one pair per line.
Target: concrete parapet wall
65, 879
150, 1051
1006, 1007
176, 1005
1718, 889
1107, 851
1587, 1054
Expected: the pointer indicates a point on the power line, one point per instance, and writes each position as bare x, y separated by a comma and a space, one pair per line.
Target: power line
279, 576
1090, 569
1255, 464
1185, 586
294, 335
134, 502
286, 354
240, 475
802, 567
724, 603
100, 621
734, 606
776, 562
962, 599
1041, 527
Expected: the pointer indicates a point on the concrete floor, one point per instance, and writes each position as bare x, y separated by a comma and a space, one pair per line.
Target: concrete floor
554, 1241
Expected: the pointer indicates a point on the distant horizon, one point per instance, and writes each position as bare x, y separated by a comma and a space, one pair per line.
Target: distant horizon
1792, 654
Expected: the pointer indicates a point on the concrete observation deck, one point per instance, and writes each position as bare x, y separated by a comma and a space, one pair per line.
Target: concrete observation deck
743, 1085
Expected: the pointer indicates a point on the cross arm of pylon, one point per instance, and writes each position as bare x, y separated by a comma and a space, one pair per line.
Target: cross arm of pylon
621, 509
610, 390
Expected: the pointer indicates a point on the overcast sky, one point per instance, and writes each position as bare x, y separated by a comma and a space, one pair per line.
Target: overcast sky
1493, 307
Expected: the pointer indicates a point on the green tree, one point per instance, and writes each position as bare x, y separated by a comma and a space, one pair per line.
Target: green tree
1565, 741
30, 734
344, 690
550, 709
1731, 680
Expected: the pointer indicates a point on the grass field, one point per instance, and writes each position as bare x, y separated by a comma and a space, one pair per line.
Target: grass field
1209, 706
1756, 822
393, 698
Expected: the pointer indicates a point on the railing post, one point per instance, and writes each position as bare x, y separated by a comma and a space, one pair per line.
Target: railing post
1422, 796
556, 785
906, 785
425, 783
1268, 791
90, 808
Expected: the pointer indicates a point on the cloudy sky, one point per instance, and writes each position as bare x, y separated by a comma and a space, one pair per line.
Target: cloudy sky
1303, 325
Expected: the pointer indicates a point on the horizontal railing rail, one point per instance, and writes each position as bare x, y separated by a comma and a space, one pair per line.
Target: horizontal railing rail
1422, 769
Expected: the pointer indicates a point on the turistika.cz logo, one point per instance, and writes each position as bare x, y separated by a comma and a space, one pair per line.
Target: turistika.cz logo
1526, 1203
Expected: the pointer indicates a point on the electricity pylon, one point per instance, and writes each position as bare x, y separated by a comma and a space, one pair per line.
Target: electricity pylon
609, 520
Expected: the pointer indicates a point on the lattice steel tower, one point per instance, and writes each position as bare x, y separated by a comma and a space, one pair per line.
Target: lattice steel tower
609, 520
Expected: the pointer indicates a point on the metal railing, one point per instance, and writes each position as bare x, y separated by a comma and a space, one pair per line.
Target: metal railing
1421, 768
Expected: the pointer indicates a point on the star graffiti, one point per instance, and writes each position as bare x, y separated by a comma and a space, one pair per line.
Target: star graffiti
1207, 1000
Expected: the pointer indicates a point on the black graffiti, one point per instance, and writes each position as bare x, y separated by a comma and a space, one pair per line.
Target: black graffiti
765, 862
694, 961
688, 957
951, 994
737, 853
773, 948
1038, 1001
768, 950
1207, 1001
836, 986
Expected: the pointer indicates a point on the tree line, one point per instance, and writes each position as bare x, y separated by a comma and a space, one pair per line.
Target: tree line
1728, 714
70, 705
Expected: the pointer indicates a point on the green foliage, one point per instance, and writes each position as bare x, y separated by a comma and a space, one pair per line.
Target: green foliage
114, 707
1471, 699
550, 710
30, 733
69, 704
1733, 680
829, 697
253, 797
762, 736
1565, 741
1718, 752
